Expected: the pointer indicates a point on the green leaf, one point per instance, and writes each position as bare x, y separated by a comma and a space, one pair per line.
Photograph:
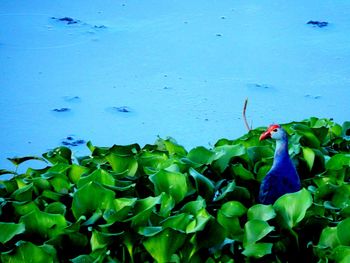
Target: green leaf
200, 220
172, 183
329, 238
102, 240
201, 155
89, 198
291, 208
171, 146
9, 230
343, 232
123, 164
28, 252
59, 155
257, 250
178, 222
149, 231
164, 244
338, 161
204, 186
24, 193
241, 172
223, 192
76, 171
99, 176
261, 212
309, 156
254, 230
119, 210
233, 209
44, 224
18, 160
256, 153
225, 153
56, 208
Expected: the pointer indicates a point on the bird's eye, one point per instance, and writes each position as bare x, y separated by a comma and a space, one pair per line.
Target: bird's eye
275, 130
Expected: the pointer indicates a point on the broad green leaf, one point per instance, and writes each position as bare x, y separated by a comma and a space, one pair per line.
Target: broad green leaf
309, 156
18, 160
28, 252
172, 183
3, 171
24, 193
337, 161
178, 222
171, 146
125, 150
329, 238
44, 224
201, 218
233, 209
343, 232
241, 172
204, 186
226, 153
254, 230
223, 192
9, 230
102, 240
256, 153
261, 212
292, 207
99, 176
164, 244
56, 208
76, 171
201, 155
149, 231
341, 254
23, 208
308, 137
119, 210
59, 155
91, 197
257, 250
121, 164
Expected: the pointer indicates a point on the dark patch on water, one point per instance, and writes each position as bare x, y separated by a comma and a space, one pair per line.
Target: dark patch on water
67, 20
312, 97
60, 110
120, 109
319, 24
72, 98
261, 87
71, 141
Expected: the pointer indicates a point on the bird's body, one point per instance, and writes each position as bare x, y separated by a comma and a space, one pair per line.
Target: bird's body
282, 177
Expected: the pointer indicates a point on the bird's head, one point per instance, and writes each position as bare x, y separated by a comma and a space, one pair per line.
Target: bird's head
274, 131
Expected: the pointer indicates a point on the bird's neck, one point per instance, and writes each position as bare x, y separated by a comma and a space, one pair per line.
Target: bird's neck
281, 152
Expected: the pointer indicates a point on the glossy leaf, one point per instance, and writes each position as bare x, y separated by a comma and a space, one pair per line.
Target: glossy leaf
172, 183
18, 160
164, 244
261, 212
254, 230
292, 207
90, 197
9, 230
257, 250
225, 153
343, 232
121, 164
27, 251
201, 155
204, 186
44, 224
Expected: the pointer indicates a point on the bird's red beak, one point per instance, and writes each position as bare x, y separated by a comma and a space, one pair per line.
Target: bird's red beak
265, 135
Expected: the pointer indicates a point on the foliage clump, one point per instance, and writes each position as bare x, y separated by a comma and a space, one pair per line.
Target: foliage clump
161, 203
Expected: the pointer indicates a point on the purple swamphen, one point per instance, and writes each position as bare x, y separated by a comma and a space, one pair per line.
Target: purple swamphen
282, 177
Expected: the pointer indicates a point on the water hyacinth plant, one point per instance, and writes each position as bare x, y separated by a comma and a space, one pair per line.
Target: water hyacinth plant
162, 203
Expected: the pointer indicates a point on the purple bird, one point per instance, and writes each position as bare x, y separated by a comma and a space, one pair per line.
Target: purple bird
282, 177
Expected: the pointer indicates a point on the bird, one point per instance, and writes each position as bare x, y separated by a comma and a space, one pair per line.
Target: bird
283, 177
